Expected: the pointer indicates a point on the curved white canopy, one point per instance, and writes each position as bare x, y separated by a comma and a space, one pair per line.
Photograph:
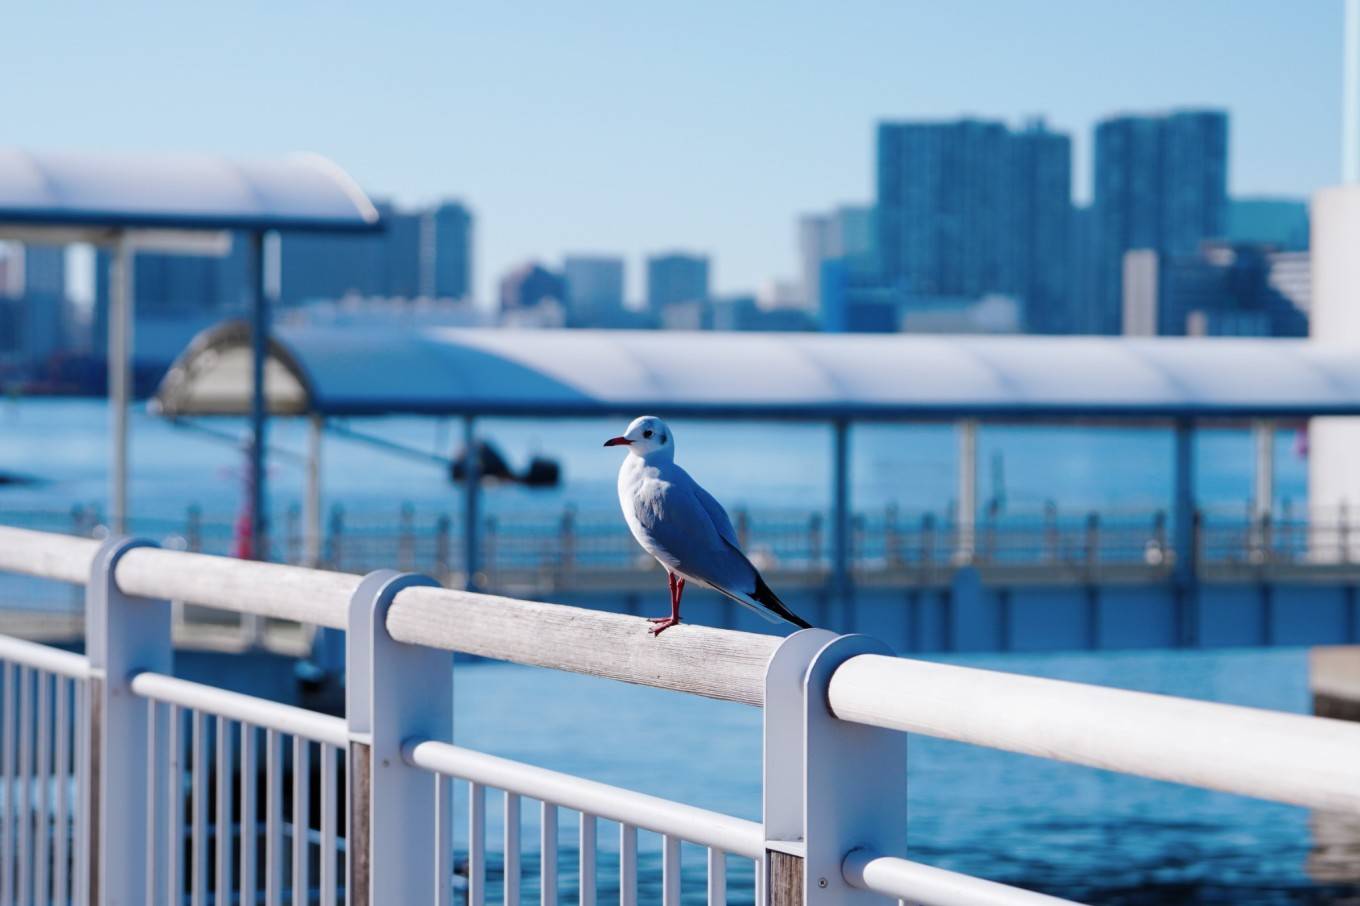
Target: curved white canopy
337, 371
178, 191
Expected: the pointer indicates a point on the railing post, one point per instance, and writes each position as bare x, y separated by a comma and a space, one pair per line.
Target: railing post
393, 812
124, 636
830, 786
779, 882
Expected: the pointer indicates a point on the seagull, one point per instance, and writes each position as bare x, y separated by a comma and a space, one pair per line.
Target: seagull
684, 528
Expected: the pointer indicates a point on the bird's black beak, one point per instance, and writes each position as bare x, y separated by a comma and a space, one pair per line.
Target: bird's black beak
618, 442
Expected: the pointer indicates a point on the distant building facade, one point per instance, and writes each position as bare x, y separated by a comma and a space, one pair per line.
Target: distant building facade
529, 286
847, 233
446, 252
1161, 183
676, 279
970, 208
593, 289
1278, 222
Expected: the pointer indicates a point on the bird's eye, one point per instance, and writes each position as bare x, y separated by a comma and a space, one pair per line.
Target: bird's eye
646, 433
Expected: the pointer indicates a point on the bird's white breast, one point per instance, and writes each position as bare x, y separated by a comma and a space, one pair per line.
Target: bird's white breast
641, 493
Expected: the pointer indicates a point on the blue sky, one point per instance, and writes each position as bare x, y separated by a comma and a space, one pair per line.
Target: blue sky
631, 127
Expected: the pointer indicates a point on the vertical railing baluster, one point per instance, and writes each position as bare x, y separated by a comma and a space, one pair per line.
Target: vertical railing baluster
547, 861
476, 845
302, 783
80, 804
273, 818
222, 881
61, 819
328, 855
153, 726
8, 744
443, 840
174, 807
627, 865
586, 849
717, 877
40, 811
198, 804
511, 850
249, 825
24, 853
670, 870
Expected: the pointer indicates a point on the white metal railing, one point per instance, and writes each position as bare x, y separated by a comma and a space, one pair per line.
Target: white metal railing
152, 762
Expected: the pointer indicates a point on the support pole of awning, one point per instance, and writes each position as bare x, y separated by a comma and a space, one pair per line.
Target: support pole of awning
259, 344
841, 553
1263, 493
965, 515
120, 323
311, 517
472, 486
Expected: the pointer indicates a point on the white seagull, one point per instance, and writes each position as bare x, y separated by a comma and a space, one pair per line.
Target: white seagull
683, 527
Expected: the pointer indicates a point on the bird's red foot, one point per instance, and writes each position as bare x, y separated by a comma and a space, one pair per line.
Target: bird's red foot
662, 624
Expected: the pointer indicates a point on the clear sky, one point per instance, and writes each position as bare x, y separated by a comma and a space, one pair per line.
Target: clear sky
631, 127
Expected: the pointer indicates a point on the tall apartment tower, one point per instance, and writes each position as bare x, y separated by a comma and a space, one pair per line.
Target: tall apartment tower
1161, 183
970, 207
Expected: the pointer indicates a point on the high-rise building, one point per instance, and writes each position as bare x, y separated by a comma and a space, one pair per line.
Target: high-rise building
845, 234
594, 289
676, 278
529, 286
32, 320
447, 252
1161, 183
970, 208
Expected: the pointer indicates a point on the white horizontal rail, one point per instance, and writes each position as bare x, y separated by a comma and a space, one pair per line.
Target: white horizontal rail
44, 657
925, 885
1292, 758
248, 709
696, 825
245, 586
46, 555
716, 663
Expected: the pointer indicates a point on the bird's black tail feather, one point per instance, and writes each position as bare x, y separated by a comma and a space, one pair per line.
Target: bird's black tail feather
770, 601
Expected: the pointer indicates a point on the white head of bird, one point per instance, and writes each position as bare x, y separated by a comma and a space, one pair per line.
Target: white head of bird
648, 437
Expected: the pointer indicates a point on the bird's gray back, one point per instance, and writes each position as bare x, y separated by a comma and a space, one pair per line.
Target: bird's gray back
684, 527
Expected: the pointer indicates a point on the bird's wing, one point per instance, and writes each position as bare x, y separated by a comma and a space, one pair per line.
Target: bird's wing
715, 511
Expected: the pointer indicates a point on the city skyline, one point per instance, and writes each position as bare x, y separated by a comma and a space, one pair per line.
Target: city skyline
720, 158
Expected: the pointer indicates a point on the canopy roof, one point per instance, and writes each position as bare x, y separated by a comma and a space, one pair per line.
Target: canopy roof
336, 371
178, 191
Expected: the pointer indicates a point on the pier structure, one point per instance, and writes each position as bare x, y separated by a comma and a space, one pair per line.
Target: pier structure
126, 783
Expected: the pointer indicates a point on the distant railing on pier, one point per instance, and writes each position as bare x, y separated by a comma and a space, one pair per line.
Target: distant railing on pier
124, 784
538, 553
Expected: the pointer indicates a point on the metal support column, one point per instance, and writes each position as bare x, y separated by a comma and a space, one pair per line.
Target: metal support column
966, 513
472, 488
1263, 493
120, 320
840, 511
259, 344
311, 517
1183, 502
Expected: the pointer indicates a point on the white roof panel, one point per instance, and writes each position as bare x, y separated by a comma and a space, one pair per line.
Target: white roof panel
588, 372
183, 191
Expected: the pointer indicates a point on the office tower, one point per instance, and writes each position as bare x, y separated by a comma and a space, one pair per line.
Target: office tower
676, 278
594, 289
970, 208
446, 267
529, 286
1161, 184
847, 234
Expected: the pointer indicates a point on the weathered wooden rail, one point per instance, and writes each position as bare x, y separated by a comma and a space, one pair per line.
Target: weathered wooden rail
132, 750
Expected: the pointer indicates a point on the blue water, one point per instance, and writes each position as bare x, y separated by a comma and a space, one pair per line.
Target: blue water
1072, 831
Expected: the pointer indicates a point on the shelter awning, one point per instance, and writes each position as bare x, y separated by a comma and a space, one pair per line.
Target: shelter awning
336, 371
46, 191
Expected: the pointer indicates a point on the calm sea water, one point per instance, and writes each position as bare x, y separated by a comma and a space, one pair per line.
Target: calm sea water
1085, 834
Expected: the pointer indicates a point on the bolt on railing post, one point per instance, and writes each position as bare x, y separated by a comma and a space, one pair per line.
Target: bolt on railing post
393, 813
124, 636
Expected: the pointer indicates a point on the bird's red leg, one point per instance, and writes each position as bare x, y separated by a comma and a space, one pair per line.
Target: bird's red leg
677, 589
